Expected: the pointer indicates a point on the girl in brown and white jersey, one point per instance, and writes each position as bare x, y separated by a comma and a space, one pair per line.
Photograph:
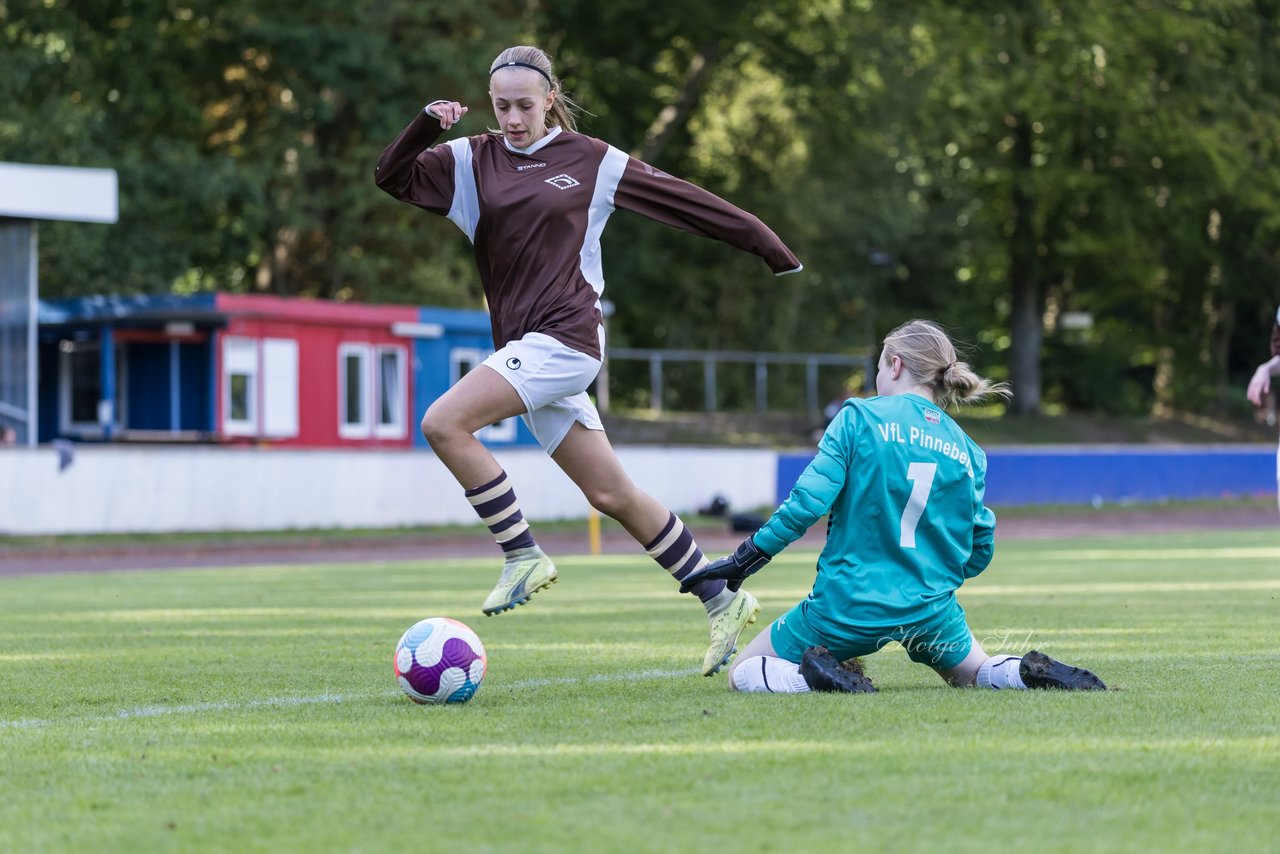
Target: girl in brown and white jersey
533, 196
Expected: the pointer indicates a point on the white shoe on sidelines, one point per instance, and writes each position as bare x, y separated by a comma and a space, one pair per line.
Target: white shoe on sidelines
525, 572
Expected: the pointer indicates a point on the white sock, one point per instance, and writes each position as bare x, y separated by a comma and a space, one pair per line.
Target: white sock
764, 673
1001, 671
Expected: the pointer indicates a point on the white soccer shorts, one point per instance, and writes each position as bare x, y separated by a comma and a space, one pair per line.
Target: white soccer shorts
552, 380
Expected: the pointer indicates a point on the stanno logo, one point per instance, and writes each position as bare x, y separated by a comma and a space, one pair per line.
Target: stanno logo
562, 182
531, 166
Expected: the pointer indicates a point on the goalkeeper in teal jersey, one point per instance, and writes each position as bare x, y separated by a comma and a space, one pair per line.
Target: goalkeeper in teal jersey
903, 486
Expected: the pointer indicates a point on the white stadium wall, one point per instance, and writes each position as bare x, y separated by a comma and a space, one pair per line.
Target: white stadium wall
122, 489
126, 489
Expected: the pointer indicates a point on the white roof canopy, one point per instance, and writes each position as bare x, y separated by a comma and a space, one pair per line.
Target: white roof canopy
58, 192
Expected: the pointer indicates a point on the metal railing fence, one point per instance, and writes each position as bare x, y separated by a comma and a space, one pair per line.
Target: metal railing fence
712, 361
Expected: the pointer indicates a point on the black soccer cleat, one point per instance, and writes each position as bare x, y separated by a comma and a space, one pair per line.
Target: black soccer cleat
1040, 671
823, 673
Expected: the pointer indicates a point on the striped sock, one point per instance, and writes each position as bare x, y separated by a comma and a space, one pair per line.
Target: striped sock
495, 503
677, 553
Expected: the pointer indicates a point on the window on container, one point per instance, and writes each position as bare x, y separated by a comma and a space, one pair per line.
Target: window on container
86, 384
392, 391
240, 386
354, 391
80, 386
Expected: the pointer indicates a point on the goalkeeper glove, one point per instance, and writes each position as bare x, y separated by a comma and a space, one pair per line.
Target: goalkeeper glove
746, 559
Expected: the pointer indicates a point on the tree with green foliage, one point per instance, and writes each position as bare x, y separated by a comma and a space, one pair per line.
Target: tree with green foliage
1007, 168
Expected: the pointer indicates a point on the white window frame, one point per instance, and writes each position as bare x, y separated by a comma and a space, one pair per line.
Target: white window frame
279, 371
397, 428
271, 365
91, 429
363, 428
241, 355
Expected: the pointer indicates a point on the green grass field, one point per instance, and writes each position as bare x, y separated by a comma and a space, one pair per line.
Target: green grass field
253, 709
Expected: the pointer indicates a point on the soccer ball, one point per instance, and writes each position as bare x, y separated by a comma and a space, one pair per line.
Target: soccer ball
440, 660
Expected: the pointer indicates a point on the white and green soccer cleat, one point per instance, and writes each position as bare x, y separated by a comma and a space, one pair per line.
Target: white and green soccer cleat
525, 572
725, 630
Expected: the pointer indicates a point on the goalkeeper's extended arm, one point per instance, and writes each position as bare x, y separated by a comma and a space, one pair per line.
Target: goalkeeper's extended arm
746, 559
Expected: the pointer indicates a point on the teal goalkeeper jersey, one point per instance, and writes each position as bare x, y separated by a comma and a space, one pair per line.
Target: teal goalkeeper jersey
903, 485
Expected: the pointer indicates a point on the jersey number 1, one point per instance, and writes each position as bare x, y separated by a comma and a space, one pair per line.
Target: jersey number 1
921, 477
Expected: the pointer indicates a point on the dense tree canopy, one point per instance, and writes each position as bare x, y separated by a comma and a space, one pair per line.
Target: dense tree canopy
1007, 168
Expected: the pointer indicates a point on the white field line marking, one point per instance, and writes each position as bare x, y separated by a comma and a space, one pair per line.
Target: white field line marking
289, 702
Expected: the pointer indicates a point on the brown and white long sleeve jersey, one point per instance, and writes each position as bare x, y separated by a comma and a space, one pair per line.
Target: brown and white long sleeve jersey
535, 217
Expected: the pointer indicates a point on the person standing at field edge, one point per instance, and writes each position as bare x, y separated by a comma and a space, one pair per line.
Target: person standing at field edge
533, 196
1260, 384
903, 486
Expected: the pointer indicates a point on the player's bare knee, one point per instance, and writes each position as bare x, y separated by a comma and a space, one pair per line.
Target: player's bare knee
436, 427
429, 427
612, 502
425, 427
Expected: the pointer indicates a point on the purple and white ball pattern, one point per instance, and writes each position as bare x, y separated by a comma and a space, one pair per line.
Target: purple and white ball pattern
440, 660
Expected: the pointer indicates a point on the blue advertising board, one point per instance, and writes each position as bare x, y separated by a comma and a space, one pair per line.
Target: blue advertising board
1089, 474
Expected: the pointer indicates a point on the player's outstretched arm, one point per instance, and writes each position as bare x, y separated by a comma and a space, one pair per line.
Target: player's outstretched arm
1260, 383
746, 559
671, 201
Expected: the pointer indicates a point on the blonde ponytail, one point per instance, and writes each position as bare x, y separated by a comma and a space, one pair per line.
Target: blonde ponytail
929, 354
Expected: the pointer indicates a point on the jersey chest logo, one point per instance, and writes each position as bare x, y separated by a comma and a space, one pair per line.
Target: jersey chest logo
563, 181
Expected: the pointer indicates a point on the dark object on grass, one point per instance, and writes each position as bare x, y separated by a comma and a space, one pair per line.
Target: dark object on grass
745, 523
